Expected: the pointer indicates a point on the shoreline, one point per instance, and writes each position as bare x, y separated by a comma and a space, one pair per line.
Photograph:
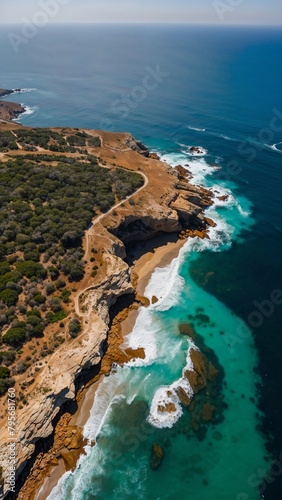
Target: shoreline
174, 206
144, 267
11, 111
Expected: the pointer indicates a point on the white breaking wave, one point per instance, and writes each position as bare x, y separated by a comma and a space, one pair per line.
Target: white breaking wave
108, 392
274, 147
22, 91
29, 110
166, 397
166, 285
196, 129
199, 168
222, 136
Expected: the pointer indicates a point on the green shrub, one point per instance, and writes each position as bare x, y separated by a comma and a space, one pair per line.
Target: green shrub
74, 327
31, 269
58, 316
9, 297
15, 337
7, 357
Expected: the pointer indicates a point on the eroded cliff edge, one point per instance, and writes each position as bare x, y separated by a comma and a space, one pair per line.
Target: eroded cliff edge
167, 203
10, 110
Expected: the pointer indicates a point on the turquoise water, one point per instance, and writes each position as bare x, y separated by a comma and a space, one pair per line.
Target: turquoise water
217, 460
221, 91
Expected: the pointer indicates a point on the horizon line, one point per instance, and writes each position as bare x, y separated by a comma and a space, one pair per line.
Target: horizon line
150, 23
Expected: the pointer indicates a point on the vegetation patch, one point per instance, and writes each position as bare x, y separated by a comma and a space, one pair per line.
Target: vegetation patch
44, 211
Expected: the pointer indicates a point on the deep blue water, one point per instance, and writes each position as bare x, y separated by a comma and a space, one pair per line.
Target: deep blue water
173, 87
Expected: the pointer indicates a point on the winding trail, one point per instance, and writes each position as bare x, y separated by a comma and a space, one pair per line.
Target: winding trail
100, 217
88, 235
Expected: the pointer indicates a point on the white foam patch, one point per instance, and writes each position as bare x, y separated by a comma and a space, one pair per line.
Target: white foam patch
166, 407
58, 491
110, 390
143, 335
199, 168
166, 284
29, 110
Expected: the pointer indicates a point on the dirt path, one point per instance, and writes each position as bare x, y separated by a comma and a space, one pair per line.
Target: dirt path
100, 217
88, 235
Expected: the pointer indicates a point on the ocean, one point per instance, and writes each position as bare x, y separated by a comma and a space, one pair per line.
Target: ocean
174, 87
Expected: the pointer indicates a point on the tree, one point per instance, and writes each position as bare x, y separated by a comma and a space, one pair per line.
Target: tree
50, 288
14, 337
74, 327
9, 297
7, 357
54, 273
4, 372
31, 269
71, 239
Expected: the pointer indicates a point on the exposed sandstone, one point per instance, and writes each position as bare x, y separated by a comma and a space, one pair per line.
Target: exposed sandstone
210, 222
187, 329
183, 396
10, 110
167, 408
159, 207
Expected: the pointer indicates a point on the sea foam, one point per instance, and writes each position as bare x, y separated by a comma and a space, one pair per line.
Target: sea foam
29, 110
166, 408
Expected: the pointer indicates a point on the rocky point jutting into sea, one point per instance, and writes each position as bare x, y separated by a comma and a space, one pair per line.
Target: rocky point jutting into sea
10, 110
167, 203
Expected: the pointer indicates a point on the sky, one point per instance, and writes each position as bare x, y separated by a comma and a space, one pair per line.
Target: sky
138, 11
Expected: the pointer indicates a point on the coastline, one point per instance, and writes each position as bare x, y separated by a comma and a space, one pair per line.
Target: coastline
105, 301
143, 268
10, 111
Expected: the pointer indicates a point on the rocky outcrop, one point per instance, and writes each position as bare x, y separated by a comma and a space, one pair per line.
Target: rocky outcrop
180, 208
10, 110
4, 92
196, 150
56, 383
137, 146
144, 227
189, 214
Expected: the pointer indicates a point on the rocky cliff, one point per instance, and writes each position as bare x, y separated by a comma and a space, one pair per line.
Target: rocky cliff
9, 110
167, 203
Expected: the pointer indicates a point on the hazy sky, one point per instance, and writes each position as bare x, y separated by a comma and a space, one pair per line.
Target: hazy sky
185, 11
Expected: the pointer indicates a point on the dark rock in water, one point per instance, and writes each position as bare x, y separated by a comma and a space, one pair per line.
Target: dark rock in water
4, 92
210, 222
207, 412
183, 396
157, 455
154, 299
195, 149
187, 329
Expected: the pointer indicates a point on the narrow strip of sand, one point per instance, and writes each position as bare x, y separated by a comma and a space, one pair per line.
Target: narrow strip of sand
144, 265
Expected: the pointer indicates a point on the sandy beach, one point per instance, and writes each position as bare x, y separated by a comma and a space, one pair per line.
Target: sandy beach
151, 258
